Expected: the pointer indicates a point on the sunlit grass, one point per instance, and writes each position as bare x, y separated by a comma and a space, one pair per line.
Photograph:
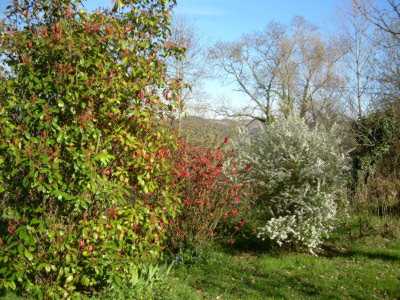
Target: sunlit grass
365, 267
373, 274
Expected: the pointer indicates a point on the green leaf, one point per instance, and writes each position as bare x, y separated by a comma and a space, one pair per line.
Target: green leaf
28, 255
69, 279
85, 280
24, 235
104, 158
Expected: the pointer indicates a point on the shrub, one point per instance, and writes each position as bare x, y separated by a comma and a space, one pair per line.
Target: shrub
298, 175
144, 282
376, 159
84, 186
210, 191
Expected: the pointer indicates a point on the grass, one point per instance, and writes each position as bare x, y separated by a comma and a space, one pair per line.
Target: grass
362, 267
361, 275
355, 264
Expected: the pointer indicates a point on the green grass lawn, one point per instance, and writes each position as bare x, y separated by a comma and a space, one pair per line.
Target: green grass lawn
360, 274
367, 267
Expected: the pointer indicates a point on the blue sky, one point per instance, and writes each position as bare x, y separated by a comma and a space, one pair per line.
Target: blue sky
228, 19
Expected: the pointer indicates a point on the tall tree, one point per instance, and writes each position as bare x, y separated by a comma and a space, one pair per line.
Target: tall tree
385, 17
360, 62
256, 63
189, 70
318, 78
282, 70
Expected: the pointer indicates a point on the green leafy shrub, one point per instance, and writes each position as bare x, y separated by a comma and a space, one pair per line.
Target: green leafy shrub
374, 135
145, 282
85, 187
376, 159
298, 174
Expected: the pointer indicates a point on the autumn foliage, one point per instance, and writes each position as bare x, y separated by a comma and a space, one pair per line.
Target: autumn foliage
210, 191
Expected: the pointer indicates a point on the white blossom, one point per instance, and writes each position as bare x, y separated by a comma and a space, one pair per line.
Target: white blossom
299, 175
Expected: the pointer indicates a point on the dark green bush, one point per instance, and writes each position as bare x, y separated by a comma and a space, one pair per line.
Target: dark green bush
376, 160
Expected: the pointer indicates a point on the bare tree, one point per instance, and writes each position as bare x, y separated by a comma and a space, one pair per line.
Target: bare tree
255, 64
360, 63
318, 81
386, 19
190, 69
281, 70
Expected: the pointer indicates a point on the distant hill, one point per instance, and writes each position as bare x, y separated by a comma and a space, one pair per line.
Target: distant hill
207, 132
212, 132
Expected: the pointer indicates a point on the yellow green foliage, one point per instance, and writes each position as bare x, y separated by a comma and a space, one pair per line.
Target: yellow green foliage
84, 187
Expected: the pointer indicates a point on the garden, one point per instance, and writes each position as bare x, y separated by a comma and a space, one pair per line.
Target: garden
110, 189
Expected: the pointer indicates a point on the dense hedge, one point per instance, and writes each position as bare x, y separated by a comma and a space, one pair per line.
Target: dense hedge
375, 181
84, 182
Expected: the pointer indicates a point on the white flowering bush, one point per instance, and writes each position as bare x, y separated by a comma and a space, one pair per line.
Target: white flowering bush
299, 176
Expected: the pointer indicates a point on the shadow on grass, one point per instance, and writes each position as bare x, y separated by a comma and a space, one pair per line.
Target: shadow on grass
244, 282
382, 254
249, 243
254, 275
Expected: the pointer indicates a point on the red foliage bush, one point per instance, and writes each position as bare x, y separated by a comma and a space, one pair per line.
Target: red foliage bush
211, 193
